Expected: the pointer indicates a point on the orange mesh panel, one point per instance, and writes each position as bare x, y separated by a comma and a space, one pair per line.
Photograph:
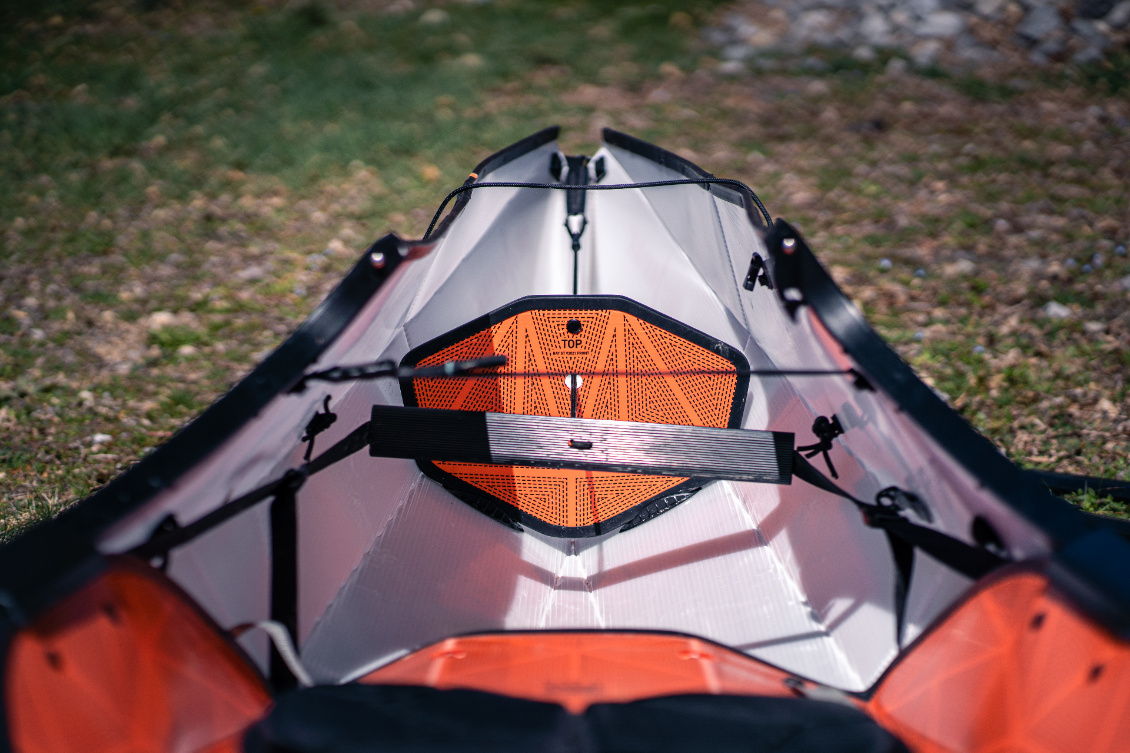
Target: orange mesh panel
126, 664
1014, 668
580, 669
609, 342
561, 496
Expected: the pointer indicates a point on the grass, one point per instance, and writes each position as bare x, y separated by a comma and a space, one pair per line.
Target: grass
1091, 501
183, 182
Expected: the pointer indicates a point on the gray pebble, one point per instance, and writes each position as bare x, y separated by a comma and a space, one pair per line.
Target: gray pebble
1039, 23
1056, 310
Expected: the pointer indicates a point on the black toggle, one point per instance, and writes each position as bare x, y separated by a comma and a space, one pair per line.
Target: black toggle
758, 272
319, 422
580, 444
825, 429
898, 499
167, 525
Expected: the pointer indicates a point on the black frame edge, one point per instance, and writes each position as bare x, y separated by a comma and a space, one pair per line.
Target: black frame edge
1103, 598
672, 161
45, 554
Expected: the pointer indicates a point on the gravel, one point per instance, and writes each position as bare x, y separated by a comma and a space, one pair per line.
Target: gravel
959, 34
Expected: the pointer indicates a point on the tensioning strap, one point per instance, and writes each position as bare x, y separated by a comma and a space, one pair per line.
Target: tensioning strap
967, 559
904, 537
581, 443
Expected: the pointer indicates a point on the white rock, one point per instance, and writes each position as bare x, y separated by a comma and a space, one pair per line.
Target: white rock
1094, 328
1104, 405
186, 350
923, 8
1125, 283
1055, 310
434, 17
896, 67
101, 438
470, 60
958, 268
1119, 16
876, 30
941, 24
161, 319
926, 53
814, 27
991, 8
737, 52
731, 68
1089, 54
864, 53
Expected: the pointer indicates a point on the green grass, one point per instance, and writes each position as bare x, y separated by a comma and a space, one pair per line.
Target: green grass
1091, 501
296, 94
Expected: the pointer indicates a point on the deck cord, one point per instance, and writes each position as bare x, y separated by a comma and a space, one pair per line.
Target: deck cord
610, 187
471, 370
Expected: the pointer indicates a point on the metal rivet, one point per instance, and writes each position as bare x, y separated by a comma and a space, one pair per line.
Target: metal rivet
378, 259
789, 245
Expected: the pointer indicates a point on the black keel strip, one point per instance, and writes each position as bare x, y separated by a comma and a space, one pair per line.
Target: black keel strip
580, 443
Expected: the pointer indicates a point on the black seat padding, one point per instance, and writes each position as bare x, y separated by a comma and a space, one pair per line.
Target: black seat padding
355, 718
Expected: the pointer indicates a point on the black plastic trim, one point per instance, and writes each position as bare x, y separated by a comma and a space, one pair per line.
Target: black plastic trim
52, 550
516, 150
798, 269
489, 165
671, 161
512, 516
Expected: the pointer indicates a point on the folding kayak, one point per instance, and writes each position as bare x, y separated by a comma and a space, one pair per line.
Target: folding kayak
605, 462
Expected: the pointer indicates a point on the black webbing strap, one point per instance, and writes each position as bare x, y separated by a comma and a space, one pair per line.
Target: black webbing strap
284, 580
163, 541
967, 559
904, 537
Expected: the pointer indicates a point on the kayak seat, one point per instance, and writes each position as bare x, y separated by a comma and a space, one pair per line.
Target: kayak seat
580, 668
128, 663
355, 718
